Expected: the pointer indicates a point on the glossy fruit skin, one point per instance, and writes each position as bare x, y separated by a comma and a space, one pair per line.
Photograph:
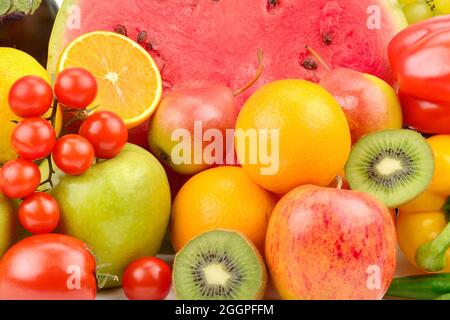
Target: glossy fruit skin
39, 213
127, 222
326, 244
19, 178
33, 138
427, 116
30, 97
40, 268
415, 229
314, 135
423, 219
106, 132
24, 65
413, 34
221, 198
369, 103
147, 279
213, 106
424, 91
417, 11
76, 88
431, 85
73, 154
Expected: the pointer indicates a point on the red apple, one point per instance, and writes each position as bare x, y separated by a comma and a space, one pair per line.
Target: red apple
194, 112
326, 244
369, 103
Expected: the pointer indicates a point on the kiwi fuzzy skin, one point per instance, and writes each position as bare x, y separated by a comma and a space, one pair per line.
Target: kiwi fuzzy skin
264, 280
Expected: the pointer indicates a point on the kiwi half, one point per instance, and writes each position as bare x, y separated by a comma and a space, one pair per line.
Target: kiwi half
219, 265
394, 166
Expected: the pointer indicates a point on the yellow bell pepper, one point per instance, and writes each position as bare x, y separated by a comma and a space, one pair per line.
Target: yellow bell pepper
423, 227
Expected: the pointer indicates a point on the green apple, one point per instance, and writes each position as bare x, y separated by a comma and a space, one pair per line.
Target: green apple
119, 207
7, 224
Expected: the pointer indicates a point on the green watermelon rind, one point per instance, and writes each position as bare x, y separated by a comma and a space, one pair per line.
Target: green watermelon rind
57, 36
398, 17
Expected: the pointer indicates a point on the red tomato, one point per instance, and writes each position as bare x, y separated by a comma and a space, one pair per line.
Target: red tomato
39, 213
147, 279
30, 97
19, 178
76, 88
107, 132
48, 267
33, 138
73, 154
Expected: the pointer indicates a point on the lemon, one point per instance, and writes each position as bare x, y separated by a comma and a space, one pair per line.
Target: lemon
14, 64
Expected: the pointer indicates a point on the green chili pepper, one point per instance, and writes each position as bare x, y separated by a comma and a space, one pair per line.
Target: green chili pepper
426, 287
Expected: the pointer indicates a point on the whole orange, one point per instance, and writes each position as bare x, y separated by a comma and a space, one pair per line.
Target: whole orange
221, 198
291, 133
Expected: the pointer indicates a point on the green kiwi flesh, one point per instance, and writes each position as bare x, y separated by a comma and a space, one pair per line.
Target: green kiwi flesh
219, 265
394, 166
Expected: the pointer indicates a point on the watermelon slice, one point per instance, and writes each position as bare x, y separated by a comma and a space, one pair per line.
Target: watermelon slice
196, 41
217, 40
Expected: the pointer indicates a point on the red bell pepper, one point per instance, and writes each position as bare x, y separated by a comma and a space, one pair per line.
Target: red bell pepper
420, 58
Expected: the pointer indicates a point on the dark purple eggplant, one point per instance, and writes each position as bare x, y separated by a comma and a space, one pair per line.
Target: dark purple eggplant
29, 32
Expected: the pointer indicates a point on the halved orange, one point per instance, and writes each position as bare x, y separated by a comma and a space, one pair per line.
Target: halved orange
128, 79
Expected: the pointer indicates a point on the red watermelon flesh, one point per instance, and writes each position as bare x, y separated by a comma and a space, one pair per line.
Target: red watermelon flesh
198, 41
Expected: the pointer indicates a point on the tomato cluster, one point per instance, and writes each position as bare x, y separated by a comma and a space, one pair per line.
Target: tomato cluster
102, 135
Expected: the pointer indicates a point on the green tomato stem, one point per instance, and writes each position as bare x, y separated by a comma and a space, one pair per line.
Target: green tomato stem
51, 170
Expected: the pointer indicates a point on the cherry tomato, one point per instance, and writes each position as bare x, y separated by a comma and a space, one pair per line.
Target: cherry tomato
107, 132
76, 88
48, 267
73, 154
147, 279
30, 97
33, 138
19, 178
39, 213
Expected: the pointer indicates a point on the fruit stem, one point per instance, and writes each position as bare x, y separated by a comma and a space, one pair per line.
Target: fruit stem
257, 75
446, 209
318, 57
80, 115
340, 182
102, 278
432, 255
52, 120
